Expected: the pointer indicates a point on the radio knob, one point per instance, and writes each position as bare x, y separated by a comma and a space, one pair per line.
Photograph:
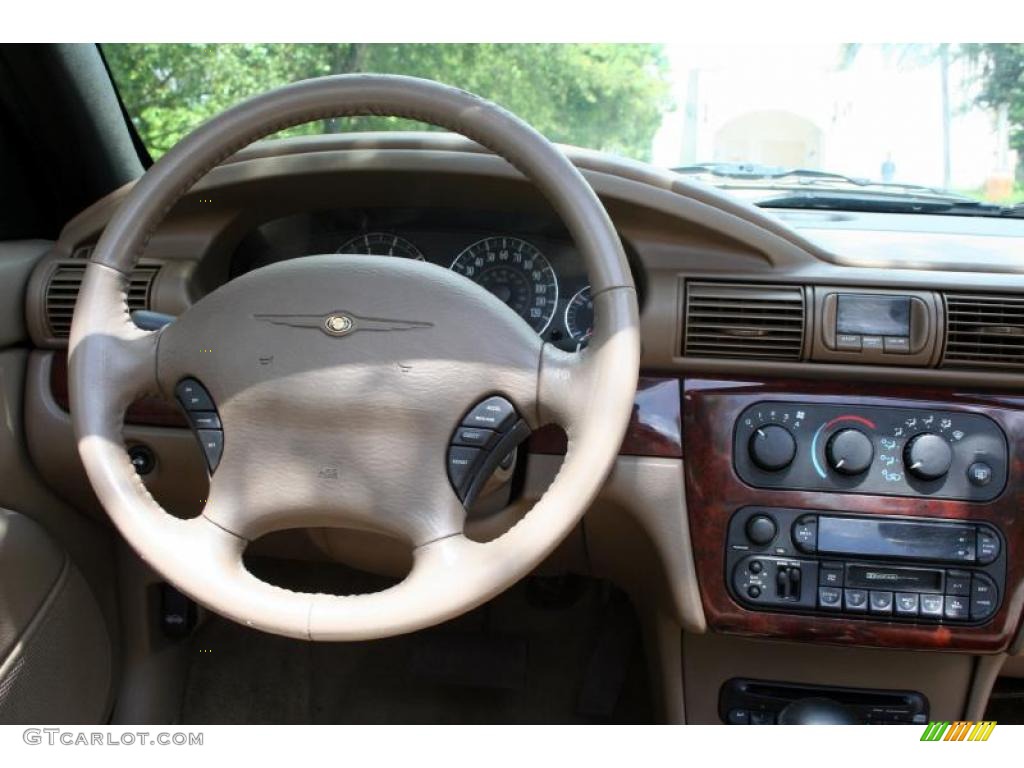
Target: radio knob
927, 456
761, 530
772, 447
849, 451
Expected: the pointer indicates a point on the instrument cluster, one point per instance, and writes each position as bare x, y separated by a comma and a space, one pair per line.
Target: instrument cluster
534, 270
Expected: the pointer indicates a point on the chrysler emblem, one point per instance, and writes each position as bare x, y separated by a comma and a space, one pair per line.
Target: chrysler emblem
339, 323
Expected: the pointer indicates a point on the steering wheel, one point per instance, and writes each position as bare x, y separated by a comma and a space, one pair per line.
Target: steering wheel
340, 381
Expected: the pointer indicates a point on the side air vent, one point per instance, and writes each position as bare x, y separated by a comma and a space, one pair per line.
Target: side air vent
754, 322
984, 331
66, 280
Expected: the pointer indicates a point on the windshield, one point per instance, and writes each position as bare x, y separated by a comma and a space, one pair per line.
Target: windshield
940, 125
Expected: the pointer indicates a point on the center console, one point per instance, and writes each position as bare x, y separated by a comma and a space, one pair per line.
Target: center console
846, 514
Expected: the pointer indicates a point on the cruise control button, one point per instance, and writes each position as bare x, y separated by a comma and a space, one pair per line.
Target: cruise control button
983, 597
493, 413
988, 546
204, 419
906, 603
931, 606
855, 600
958, 583
475, 437
830, 598
461, 460
193, 396
956, 607
880, 602
212, 441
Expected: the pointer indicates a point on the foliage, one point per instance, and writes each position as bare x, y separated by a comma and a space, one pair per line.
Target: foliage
602, 96
1002, 82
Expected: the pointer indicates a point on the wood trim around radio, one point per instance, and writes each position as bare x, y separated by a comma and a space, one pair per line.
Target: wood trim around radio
715, 492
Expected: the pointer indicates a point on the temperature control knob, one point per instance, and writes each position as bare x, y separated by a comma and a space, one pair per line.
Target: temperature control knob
772, 447
927, 456
849, 451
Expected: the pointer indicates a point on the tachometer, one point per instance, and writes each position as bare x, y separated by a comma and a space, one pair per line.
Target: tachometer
517, 273
381, 244
579, 316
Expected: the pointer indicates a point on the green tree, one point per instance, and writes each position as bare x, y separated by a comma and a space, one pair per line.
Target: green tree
1002, 85
608, 97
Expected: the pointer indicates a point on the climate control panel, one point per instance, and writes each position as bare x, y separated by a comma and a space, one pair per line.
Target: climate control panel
873, 450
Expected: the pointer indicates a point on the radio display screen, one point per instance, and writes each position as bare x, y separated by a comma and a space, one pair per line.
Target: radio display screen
873, 315
887, 538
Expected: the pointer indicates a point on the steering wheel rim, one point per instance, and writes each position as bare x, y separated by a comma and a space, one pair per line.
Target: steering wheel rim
273, 412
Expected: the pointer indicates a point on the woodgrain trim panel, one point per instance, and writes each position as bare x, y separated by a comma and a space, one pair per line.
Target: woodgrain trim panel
714, 492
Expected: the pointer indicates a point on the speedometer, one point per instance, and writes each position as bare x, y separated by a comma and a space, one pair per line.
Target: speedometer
381, 244
517, 273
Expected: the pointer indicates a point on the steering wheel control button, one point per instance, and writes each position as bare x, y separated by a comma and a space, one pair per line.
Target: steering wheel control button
849, 452
204, 420
987, 546
761, 530
485, 439
193, 396
772, 447
474, 437
494, 413
461, 460
212, 441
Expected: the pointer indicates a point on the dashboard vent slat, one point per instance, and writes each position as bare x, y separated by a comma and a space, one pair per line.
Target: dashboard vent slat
984, 331
763, 322
66, 280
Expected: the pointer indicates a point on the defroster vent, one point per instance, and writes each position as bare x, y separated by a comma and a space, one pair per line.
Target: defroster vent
753, 322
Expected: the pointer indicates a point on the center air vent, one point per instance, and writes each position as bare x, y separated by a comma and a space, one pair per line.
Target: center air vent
984, 331
756, 322
66, 280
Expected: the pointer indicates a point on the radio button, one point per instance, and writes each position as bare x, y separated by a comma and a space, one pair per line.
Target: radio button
956, 607
830, 598
958, 583
907, 603
805, 534
761, 530
988, 546
830, 575
855, 600
881, 602
931, 606
983, 597
871, 343
848, 342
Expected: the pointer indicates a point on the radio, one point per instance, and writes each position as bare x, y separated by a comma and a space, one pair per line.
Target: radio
892, 568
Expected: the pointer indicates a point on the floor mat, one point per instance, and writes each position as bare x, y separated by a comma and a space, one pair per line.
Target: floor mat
515, 660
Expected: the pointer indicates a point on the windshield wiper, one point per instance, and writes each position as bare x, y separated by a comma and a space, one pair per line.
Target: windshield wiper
756, 176
843, 200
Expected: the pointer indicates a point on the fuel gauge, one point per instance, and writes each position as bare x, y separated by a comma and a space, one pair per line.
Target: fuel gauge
579, 317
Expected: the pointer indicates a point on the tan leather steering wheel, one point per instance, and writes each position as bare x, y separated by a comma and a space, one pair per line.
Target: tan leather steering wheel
348, 424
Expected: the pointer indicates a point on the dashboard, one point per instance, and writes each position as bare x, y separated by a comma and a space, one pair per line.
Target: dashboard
534, 269
850, 372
